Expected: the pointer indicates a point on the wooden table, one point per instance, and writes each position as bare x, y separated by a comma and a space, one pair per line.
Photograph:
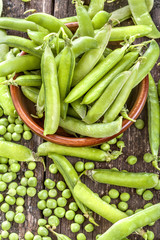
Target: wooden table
136, 141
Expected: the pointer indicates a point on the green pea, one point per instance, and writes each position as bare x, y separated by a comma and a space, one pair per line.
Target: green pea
47, 212
15, 167
73, 206
105, 147
42, 222
6, 225
4, 234
51, 203
10, 216
1, 198
106, 199
24, 181
29, 174
148, 157
79, 166
42, 231
59, 212
129, 212
62, 202
131, 160
1, 112
158, 186
113, 193
120, 144
49, 183
13, 236
89, 165
7, 177
19, 209
26, 128
3, 186
52, 193
27, 135
16, 136
81, 236
10, 200
12, 192
2, 139
47, 238
53, 169
11, 119
3, 160
53, 221
147, 195
18, 128
2, 130
138, 210
28, 235
113, 205
19, 218
11, 161
32, 182
98, 236
31, 165
5, 207
37, 237
147, 205
43, 194
3, 168
112, 141
4, 122
13, 185
125, 197
19, 201
140, 191
61, 186
31, 191
139, 124
89, 227
7, 136
18, 120
75, 227
150, 235
123, 206
41, 204
66, 194
79, 218
21, 191
70, 214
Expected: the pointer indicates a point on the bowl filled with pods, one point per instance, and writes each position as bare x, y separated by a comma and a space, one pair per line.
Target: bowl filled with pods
72, 85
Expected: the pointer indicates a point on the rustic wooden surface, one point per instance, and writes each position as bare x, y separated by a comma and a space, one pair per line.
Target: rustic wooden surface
136, 141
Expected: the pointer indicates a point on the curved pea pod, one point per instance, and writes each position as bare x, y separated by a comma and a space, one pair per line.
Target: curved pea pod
95, 92
125, 227
65, 75
6, 100
125, 179
23, 44
120, 33
69, 19
107, 98
100, 19
4, 49
51, 92
49, 22
93, 56
95, 6
81, 109
97, 130
153, 117
25, 80
36, 36
31, 93
19, 64
71, 177
142, 17
89, 153
116, 107
40, 102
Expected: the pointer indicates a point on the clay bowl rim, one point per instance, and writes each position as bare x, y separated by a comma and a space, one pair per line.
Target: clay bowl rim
72, 141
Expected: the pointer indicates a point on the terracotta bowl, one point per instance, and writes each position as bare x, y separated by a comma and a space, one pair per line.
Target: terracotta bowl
25, 108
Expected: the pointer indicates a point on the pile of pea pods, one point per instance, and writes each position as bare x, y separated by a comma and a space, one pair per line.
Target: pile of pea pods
83, 86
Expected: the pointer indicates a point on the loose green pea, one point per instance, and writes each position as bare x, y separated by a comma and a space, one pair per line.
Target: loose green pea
11, 119
147, 195
98, 236
59, 212
4, 122
61, 186
89, 165
120, 144
53, 169
16, 136
13, 236
10, 216
131, 160
69, 215
4, 234
47, 238
81, 236
129, 212
11, 161
1, 112
138, 210
28, 235
21, 191
3, 186
53, 221
125, 197
105, 147
41, 204
15, 167
123, 206
140, 191
3, 168
89, 227
3, 160
11, 127
49, 183
37, 237
112, 141
158, 186
18, 120
5, 207
12, 192
32, 182
19, 218
24, 181
75, 227
7, 177
47, 212
10, 200
19, 209
66, 193
147, 205
1, 198
52, 193
62, 202
2, 139
42, 231
18, 128
106, 199
113, 205
79, 166
27, 135
113, 193
148, 157
2, 130
6, 225
29, 174
51, 203
79, 218
19, 201
31, 191
73, 206
31, 166
42, 222
7, 136
43, 194
26, 128
139, 124
150, 235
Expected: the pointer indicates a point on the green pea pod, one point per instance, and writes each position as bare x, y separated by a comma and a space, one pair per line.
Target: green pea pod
31, 93
142, 17
95, 6
124, 179
6, 100
72, 113
51, 92
84, 21
19, 64
93, 56
69, 19
107, 98
71, 177
95, 92
25, 80
100, 19
89, 153
81, 109
40, 102
36, 36
116, 107
150, 58
125, 227
97, 130
4, 49
65, 75
49, 22
153, 117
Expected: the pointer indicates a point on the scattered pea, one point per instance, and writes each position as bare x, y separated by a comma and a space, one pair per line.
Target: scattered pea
1, 198
19, 218
31, 166
147, 195
79, 218
81, 236
53, 169
140, 191
49, 183
47, 212
43, 194
31, 191
24, 181
1, 112
41, 204
158, 185
106, 198
75, 227
105, 147
16, 136
129, 212
131, 160
10, 216
42, 231
29, 174
32, 182
79, 166
112, 141
73, 206
27, 135
21, 191
6, 225
53, 221
51, 203
18, 128
10, 200
19, 201
52, 193
125, 197
11, 119
89, 165
89, 227
59, 212
62, 202
66, 193
13, 236
147, 205
123, 206
139, 124
5, 207
19, 209
148, 157
4, 122
26, 128
70, 214
113, 193
120, 144
42, 222
28, 235
4, 234
2, 130
12, 192
15, 167
61, 186
98, 236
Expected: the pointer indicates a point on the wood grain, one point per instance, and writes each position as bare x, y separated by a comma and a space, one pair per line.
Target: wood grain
136, 141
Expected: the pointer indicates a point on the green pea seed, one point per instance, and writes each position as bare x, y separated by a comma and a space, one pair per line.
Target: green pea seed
53, 169
89, 228
79, 218
75, 227
29, 174
138, 210
4, 234
53, 221
19, 218
32, 182
3, 168
24, 181
2, 130
61, 186
123, 206
1, 198
3, 186
148, 157
5, 207
21, 191
129, 212
28, 235
7, 136
4, 122
1, 112
106, 199
11, 127
19, 201
150, 235
70, 214
42, 222
19, 209
124, 197
6, 225
13, 185
31, 166
98, 236
43, 194
15, 167
158, 186
16, 136
47, 212
147, 205
59, 212
66, 193
52, 193
89, 165
3, 160
51, 203
147, 195
37, 237
10, 200
139, 124
131, 160
42, 231
81, 236
18, 128
41, 204
11, 119
26, 128
105, 147
62, 202
73, 206
27, 135
120, 144
113, 193
10, 216
12, 192
13, 236
140, 191
112, 141
49, 183
18, 120
79, 166
31, 191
